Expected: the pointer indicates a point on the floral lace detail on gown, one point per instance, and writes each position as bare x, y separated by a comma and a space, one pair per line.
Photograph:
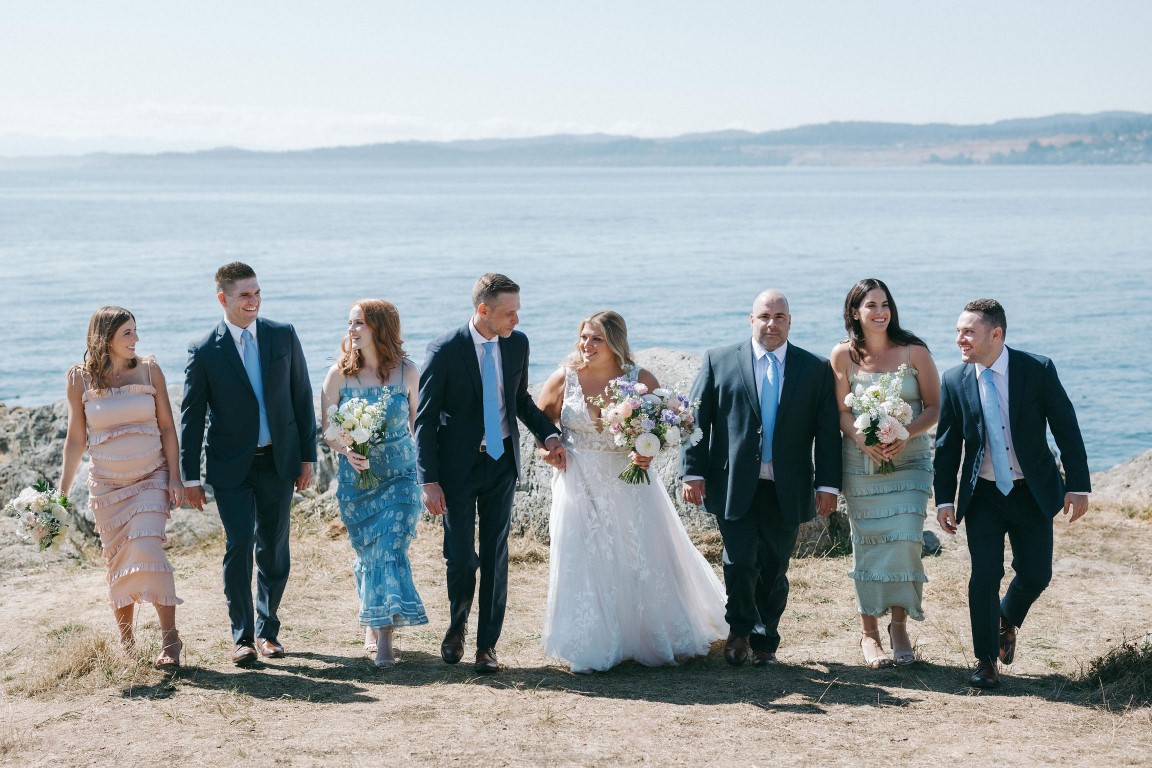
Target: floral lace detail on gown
625, 581
128, 493
381, 521
886, 514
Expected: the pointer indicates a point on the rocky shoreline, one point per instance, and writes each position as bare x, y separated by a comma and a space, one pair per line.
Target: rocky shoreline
32, 439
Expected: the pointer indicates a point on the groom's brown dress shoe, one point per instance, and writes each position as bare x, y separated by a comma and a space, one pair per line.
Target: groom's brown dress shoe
985, 675
452, 649
243, 655
763, 658
1007, 642
736, 650
486, 662
269, 648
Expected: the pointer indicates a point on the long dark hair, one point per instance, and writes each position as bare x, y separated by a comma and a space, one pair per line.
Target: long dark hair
102, 327
853, 301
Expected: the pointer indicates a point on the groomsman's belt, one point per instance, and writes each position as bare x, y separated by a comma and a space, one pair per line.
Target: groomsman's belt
1020, 483
507, 443
263, 450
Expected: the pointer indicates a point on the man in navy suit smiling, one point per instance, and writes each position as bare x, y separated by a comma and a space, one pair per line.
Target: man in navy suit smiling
995, 411
249, 378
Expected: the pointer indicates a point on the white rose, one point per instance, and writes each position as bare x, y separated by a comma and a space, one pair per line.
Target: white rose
697, 436
361, 435
662, 393
647, 444
863, 421
672, 437
333, 431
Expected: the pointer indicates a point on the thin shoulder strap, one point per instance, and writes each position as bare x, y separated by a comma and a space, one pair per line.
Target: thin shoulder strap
908, 354
148, 364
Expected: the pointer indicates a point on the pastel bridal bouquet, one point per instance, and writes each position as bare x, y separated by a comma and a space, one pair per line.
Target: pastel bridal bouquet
42, 513
881, 414
359, 424
645, 422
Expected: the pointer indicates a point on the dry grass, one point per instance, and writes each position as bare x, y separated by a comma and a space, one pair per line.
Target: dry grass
73, 698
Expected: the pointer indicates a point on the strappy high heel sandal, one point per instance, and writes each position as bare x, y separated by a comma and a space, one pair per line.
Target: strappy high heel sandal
370, 640
875, 658
903, 656
171, 648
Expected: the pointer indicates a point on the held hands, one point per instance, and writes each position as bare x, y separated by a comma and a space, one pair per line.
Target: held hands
693, 491
946, 519
553, 453
175, 493
825, 503
1077, 504
434, 499
307, 474
194, 495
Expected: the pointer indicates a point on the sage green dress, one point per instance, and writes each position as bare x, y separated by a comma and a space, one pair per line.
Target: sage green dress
886, 514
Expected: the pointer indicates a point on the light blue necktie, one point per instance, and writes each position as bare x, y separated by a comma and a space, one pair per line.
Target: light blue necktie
493, 434
769, 402
252, 366
995, 427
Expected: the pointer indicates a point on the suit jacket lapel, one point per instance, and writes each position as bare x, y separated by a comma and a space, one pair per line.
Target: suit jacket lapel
792, 374
972, 396
508, 367
227, 347
468, 359
264, 348
748, 374
1016, 388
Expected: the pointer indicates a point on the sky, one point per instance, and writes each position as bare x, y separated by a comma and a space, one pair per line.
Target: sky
148, 75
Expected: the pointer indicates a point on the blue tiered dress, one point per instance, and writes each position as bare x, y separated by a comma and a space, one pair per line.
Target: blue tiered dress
381, 522
886, 514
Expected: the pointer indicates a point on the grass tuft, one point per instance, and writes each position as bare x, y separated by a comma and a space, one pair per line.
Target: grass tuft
1123, 675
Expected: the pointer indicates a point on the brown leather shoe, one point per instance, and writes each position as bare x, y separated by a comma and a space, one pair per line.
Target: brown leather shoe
486, 662
452, 649
243, 655
1007, 642
763, 658
736, 650
269, 648
985, 675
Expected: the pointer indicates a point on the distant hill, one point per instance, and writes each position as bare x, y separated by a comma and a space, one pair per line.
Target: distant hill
1106, 137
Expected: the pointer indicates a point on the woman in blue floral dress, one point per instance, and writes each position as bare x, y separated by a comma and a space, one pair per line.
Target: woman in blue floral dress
381, 521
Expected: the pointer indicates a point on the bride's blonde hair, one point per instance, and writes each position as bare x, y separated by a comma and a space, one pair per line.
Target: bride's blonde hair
615, 331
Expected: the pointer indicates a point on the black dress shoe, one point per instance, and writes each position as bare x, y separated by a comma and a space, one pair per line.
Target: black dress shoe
452, 649
763, 658
486, 662
985, 675
1007, 642
736, 650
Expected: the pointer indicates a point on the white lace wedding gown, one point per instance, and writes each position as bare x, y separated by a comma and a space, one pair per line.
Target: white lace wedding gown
625, 581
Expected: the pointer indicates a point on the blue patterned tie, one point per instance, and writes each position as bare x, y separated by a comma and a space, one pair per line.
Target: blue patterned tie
995, 427
252, 366
493, 434
769, 402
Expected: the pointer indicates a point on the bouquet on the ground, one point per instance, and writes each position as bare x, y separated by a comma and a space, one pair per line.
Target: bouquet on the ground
43, 514
881, 414
644, 421
359, 424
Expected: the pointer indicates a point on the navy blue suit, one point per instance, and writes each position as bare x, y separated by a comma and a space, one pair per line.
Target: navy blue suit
449, 432
759, 520
1037, 402
253, 492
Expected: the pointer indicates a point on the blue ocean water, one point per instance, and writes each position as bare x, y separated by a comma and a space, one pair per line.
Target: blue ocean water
679, 252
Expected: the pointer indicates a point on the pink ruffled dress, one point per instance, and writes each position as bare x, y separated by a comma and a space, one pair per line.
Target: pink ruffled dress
128, 493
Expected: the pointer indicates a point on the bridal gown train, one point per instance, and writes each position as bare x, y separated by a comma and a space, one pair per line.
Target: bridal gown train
625, 581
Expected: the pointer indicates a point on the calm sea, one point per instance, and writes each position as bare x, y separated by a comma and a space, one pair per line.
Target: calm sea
679, 252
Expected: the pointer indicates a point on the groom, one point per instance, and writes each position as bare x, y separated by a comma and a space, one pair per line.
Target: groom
473, 388
249, 376
764, 403
995, 411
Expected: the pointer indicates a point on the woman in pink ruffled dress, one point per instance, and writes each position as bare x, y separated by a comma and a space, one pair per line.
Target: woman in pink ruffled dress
118, 410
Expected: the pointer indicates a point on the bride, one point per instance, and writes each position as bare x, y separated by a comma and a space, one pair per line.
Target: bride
625, 581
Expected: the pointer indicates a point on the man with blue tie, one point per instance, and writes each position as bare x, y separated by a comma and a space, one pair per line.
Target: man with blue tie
473, 390
995, 412
767, 407
247, 377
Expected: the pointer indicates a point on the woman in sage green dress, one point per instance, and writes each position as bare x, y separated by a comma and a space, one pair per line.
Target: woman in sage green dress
886, 511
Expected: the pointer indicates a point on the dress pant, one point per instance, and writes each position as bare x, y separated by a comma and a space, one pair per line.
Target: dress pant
757, 547
991, 515
257, 520
485, 495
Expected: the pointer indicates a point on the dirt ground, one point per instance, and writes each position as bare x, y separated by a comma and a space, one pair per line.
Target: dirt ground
71, 697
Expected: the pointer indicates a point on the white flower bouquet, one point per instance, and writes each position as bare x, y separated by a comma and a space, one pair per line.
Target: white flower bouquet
42, 512
645, 422
358, 424
881, 414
